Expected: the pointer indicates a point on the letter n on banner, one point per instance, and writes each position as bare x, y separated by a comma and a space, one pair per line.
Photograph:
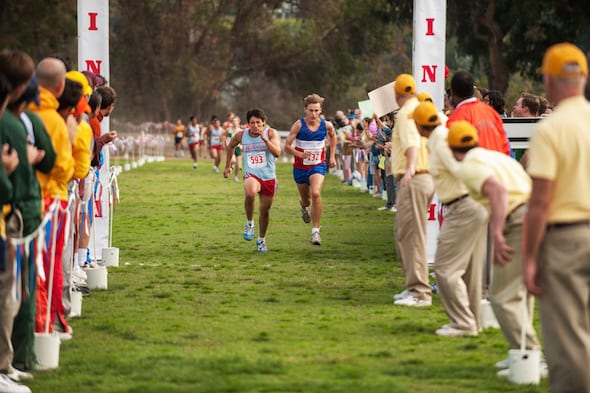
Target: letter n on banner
93, 55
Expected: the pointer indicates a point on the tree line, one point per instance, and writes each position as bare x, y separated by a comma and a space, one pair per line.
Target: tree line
173, 58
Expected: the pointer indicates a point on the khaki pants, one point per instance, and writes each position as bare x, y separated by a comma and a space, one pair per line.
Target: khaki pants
8, 309
564, 276
413, 202
507, 288
459, 260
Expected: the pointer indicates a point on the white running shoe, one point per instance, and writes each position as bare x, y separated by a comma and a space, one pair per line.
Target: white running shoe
316, 239
261, 245
249, 232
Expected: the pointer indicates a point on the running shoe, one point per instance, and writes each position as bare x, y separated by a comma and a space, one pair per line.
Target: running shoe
215, 169
261, 245
305, 215
316, 239
249, 232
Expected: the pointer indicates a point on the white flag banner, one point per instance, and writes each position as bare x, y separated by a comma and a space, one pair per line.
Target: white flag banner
428, 60
93, 55
383, 99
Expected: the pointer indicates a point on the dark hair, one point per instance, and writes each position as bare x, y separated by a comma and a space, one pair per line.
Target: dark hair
5, 88
531, 102
213, 118
94, 101
109, 95
462, 84
496, 100
259, 113
192, 117
64, 59
70, 96
464, 149
17, 67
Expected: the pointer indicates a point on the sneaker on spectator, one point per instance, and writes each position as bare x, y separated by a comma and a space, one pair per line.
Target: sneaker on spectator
249, 232
384, 208
316, 239
305, 215
412, 301
449, 331
261, 245
7, 385
17, 375
393, 208
402, 295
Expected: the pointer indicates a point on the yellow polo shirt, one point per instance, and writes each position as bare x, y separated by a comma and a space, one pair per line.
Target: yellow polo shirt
443, 167
560, 151
479, 164
405, 135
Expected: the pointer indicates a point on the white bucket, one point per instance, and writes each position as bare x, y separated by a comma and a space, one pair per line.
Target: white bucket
126, 167
47, 350
487, 317
524, 366
75, 304
110, 256
134, 165
372, 189
97, 277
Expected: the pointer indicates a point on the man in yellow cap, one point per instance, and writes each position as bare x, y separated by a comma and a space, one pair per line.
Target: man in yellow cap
557, 239
461, 245
500, 183
409, 160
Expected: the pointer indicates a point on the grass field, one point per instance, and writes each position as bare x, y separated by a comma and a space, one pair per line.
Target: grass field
194, 308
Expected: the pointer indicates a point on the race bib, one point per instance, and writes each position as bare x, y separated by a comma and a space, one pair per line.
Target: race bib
256, 160
315, 157
216, 140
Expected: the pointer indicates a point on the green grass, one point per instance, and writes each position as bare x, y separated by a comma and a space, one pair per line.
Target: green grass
194, 308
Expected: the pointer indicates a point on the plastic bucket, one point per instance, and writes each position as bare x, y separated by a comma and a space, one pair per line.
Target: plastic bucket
97, 277
47, 350
110, 256
75, 304
524, 366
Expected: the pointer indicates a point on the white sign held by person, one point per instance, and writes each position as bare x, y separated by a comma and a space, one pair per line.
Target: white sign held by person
383, 99
428, 62
93, 55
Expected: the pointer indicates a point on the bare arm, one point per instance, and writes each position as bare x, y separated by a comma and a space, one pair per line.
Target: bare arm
273, 143
498, 197
411, 158
534, 230
295, 128
229, 152
333, 142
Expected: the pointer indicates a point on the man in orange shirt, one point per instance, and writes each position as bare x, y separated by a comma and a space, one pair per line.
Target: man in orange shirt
483, 117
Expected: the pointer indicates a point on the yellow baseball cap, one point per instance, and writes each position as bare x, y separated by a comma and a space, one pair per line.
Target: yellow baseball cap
404, 84
462, 134
424, 96
564, 60
79, 77
426, 114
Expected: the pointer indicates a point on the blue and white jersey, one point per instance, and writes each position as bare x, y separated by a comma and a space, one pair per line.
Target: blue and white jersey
258, 160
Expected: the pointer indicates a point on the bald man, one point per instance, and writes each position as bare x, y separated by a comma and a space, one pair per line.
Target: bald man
51, 75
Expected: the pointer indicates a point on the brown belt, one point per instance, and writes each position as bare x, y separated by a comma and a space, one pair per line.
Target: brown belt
513, 210
423, 172
563, 225
449, 203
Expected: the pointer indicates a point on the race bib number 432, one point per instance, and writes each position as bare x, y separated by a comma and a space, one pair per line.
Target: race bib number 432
257, 160
314, 158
